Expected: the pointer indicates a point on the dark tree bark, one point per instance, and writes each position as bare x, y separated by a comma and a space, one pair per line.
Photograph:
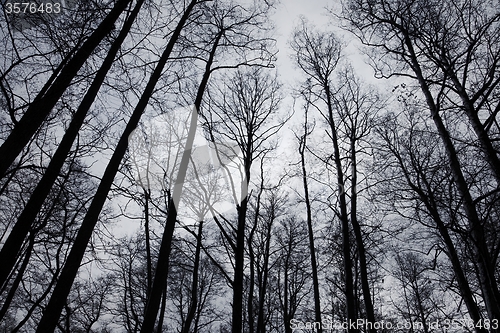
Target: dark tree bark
160, 277
194, 283
42, 105
343, 216
17, 280
482, 256
426, 195
357, 109
252, 261
423, 54
12, 245
307, 201
247, 110
53, 310
317, 54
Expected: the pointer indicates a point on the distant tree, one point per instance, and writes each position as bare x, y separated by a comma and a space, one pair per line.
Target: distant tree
417, 291
269, 208
292, 273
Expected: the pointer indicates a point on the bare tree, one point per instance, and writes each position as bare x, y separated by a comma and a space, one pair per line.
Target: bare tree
26, 218
418, 170
349, 111
41, 106
68, 274
443, 47
246, 116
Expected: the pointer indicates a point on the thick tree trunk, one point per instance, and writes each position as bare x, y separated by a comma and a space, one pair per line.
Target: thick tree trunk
161, 317
239, 259
478, 242
463, 284
482, 135
261, 325
38, 111
53, 310
251, 255
160, 277
13, 243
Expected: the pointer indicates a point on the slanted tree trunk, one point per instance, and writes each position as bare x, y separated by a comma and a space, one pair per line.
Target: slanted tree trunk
13, 243
53, 310
41, 106
160, 277
476, 229
17, 280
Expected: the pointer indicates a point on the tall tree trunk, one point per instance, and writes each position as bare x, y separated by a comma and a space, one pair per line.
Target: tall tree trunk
363, 267
41, 106
53, 310
261, 325
194, 285
287, 315
239, 253
252, 259
477, 126
251, 254
13, 243
17, 280
463, 285
160, 277
344, 219
161, 317
478, 242
312, 249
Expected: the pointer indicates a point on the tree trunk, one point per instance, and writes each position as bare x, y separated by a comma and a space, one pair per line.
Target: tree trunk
344, 219
17, 280
239, 259
53, 310
476, 229
13, 243
261, 325
482, 135
363, 267
41, 106
160, 278
312, 249
194, 285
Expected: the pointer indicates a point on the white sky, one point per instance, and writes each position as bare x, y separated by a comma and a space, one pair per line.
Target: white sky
287, 16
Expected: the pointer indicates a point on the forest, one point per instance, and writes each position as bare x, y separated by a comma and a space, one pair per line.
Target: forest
161, 171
